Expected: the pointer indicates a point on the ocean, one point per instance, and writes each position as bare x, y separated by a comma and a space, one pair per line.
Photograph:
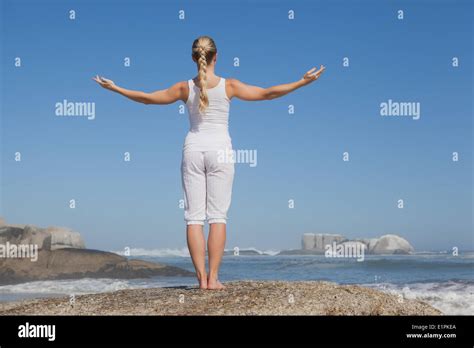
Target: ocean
440, 279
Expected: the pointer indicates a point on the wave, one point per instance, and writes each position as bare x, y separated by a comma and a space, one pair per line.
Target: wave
450, 297
184, 252
84, 286
391, 263
253, 251
76, 286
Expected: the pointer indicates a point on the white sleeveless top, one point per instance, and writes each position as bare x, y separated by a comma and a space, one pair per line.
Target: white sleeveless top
208, 131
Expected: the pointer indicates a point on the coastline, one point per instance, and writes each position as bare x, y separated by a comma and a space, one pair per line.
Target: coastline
239, 298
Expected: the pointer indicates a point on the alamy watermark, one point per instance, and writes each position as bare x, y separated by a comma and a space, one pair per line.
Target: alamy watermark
237, 156
404, 109
19, 251
81, 109
37, 331
346, 250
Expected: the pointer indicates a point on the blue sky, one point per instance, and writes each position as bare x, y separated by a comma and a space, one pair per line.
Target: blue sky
136, 204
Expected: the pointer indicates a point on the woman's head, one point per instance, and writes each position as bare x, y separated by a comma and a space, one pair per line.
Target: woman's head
204, 53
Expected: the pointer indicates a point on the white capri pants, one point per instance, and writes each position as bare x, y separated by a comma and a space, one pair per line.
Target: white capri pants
207, 184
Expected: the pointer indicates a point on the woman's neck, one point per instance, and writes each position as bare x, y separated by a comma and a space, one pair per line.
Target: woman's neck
209, 72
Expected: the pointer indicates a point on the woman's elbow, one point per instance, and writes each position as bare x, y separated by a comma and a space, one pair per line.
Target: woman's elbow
269, 95
265, 94
145, 99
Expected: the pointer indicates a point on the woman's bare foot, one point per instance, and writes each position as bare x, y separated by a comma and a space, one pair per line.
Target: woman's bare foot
214, 284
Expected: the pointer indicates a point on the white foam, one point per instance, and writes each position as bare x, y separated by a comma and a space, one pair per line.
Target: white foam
269, 252
76, 286
451, 298
184, 252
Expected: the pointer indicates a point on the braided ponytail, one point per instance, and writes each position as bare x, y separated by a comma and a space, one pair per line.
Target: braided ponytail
204, 50
202, 78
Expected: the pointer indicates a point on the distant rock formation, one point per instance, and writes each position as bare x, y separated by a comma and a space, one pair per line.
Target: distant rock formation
391, 244
317, 242
59, 253
50, 238
388, 244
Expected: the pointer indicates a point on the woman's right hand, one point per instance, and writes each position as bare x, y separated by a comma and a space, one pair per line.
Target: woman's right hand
313, 75
106, 83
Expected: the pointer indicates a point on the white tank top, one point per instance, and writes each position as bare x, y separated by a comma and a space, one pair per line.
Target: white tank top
208, 131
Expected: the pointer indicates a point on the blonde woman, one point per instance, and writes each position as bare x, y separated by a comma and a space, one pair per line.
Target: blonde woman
207, 179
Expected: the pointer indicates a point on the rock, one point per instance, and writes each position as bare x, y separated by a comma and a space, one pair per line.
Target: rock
308, 241
4, 223
354, 248
318, 242
50, 238
392, 244
28, 235
60, 254
369, 243
238, 298
329, 239
62, 237
80, 263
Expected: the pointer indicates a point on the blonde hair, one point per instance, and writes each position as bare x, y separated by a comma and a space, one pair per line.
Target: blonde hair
204, 49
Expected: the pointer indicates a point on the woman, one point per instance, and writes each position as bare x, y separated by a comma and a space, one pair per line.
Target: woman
207, 178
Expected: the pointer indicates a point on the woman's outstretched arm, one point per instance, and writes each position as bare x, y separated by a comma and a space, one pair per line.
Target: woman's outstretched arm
252, 93
166, 96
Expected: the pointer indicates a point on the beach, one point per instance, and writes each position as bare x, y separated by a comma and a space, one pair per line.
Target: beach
239, 298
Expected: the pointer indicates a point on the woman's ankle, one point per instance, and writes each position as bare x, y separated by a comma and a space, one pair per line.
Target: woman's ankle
212, 277
201, 275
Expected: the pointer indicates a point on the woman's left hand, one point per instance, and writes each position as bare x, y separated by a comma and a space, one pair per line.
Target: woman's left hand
313, 74
106, 83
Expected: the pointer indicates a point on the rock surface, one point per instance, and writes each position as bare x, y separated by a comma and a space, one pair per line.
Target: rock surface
392, 244
80, 263
385, 245
317, 242
308, 242
63, 237
50, 238
25, 235
239, 298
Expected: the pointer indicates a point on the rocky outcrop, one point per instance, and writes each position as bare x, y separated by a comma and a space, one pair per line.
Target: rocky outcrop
238, 298
318, 242
30, 253
354, 245
369, 243
28, 235
50, 238
308, 242
80, 263
385, 245
62, 237
391, 244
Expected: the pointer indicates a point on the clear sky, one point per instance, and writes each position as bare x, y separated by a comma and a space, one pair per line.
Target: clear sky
300, 156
